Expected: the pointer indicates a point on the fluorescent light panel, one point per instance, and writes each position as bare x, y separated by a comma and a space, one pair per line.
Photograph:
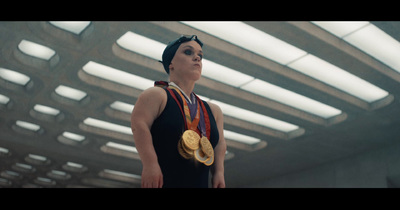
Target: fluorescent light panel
142, 45
27, 125
73, 136
240, 138
46, 110
122, 147
117, 76
256, 41
107, 126
122, 106
24, 166
341, 28
43, 180
338, 78
219, 72
122, 174
75, 165
70, 93
4, 150
250, 38
4, 99
36, 50
255, 118
368, 38
14, 76
38, 157
60, 173
75, 27
290, 98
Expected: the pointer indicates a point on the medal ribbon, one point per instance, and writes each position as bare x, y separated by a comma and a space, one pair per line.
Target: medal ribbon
192, 125
206, 117
185, 112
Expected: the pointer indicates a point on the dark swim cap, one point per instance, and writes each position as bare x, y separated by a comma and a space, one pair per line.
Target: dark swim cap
173, 46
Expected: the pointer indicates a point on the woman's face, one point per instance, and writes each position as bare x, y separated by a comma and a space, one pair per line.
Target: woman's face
187, 62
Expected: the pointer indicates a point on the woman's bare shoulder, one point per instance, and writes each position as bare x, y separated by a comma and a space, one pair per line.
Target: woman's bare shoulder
153, 94
151, 102
156, 91
216, 110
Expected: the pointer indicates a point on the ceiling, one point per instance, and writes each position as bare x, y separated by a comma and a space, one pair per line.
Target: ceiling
50, 140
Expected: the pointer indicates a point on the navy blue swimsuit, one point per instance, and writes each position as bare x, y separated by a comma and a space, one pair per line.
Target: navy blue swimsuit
166, 131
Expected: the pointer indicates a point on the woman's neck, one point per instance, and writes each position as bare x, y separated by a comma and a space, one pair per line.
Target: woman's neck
186, 86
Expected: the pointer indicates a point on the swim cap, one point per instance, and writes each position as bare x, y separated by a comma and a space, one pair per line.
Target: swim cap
172, 47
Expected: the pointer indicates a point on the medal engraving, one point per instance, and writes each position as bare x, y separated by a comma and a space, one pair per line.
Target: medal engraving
206, 146
191, 139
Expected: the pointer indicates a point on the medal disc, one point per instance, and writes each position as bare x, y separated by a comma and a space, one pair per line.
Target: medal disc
209, 161
191, 139
185, 149
183, 152
206, 146
200, 156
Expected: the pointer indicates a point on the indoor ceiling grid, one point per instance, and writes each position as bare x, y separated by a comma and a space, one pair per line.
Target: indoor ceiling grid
67, 91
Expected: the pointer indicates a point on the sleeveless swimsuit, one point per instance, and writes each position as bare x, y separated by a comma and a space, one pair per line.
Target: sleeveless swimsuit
166, 131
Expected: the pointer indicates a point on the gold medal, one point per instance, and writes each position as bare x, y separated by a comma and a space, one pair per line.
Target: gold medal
183, 151
209, 161
191, 139
206, 146
200, 156
191, 145
186, 150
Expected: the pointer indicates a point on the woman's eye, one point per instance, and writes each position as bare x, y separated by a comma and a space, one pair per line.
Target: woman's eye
188, 52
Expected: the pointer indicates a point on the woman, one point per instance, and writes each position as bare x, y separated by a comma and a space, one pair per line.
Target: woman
166, 114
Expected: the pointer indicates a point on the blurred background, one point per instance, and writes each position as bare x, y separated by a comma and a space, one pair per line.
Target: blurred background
306, 104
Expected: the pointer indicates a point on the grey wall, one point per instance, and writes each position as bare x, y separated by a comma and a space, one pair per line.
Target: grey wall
379, 168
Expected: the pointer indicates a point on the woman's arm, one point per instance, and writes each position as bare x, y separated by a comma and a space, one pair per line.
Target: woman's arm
217, 169
148, 107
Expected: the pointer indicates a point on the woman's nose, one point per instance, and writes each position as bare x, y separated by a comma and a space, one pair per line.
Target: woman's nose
197, 58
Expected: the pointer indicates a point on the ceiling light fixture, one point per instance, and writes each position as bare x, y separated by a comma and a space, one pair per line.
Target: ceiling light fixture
46, 110
27, 125
251, 39
36, 50
368, 38
279, 51
122, 147
4, 99
73, 136
240, 138
14, 77
118, 76
290, 98
70, 93
338, 78
121, 106
107, 126
75, 27
255, 118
